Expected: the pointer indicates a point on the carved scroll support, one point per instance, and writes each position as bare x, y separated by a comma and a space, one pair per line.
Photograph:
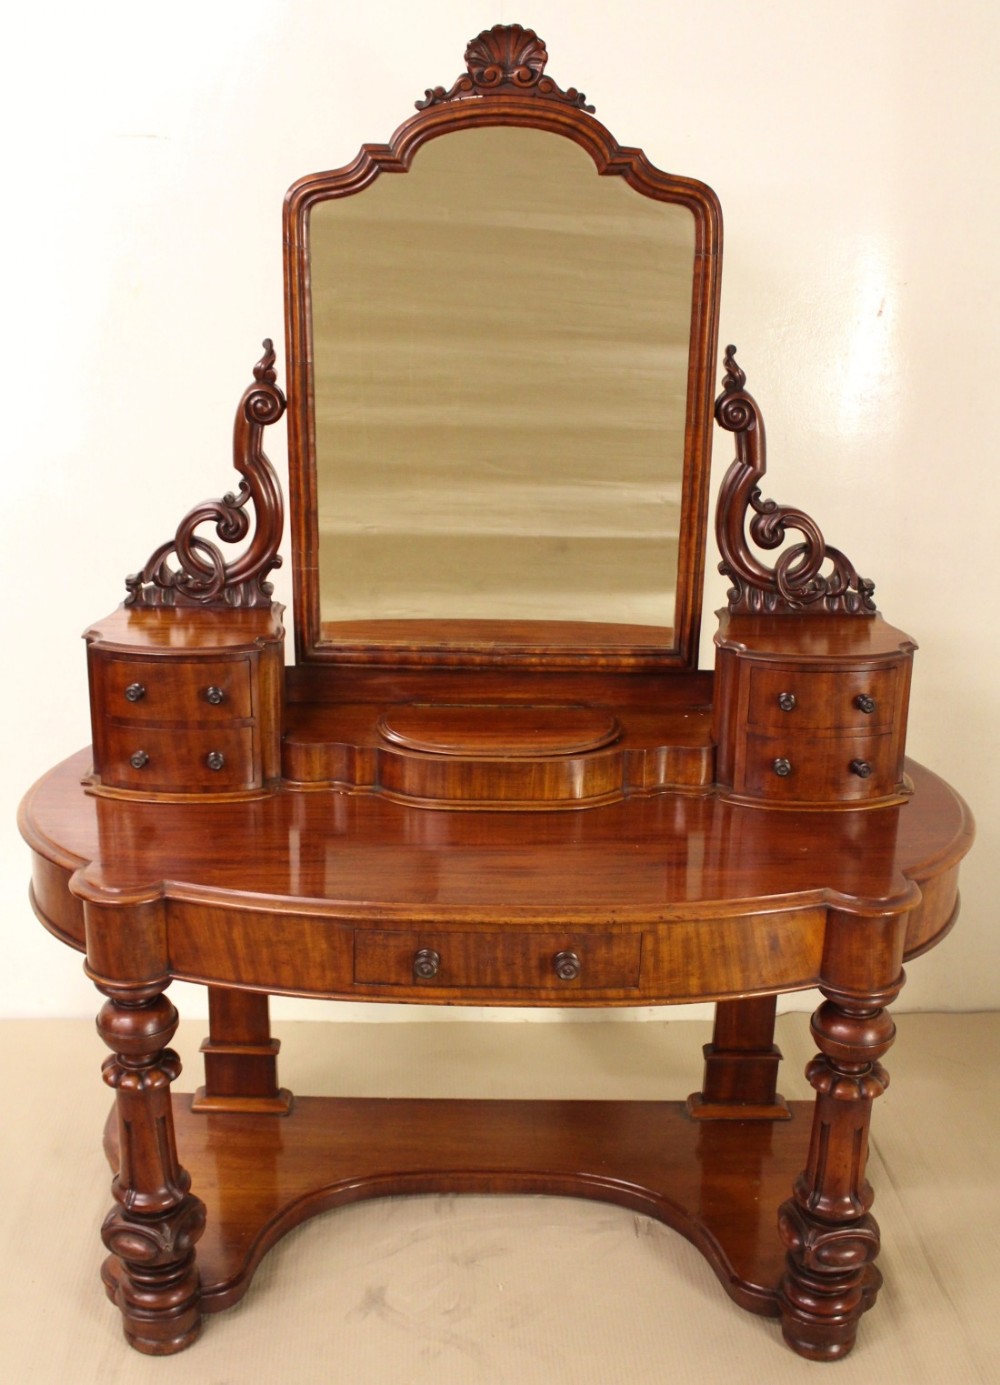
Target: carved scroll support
202, 576
829, 1234
807, 576
505, 58
156, 1221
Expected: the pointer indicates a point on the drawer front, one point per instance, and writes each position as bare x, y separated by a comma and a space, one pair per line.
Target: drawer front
860, 700
794, 769
160, 759
434, 959
168, 690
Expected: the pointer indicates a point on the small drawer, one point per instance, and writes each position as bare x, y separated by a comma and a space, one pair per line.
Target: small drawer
165, 690
508, 961
861, 700
160, 759
797, 769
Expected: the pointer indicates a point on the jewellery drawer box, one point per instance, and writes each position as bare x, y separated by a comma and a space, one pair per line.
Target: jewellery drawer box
186, 701
811, 710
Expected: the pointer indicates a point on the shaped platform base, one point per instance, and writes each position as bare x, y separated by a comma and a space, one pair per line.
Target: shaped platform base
717, 1183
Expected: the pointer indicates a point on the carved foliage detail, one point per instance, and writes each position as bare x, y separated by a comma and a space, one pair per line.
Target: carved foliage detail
807, 576
202, 577
503, 59
866, 1084
137, 1075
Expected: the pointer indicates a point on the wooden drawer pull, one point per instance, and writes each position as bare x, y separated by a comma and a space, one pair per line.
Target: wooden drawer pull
426, 964
567, 966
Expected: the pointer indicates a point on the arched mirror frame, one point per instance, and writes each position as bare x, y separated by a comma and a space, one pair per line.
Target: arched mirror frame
494, 93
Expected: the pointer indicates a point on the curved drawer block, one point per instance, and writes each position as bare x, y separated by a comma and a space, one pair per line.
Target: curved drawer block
861, 700
790, 768
810, 710
163, 690
154, 758
186, 701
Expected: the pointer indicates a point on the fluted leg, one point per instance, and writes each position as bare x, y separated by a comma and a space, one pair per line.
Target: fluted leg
830, 1236
156, 1221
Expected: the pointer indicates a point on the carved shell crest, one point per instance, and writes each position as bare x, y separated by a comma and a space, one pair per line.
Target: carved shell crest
506, 58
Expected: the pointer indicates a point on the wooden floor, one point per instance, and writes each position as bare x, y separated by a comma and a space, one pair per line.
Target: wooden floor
462, 1290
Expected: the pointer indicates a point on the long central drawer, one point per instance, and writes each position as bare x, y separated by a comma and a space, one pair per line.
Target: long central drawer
497, 960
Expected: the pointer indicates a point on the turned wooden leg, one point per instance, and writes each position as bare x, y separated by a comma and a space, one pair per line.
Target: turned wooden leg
152, 1229
828, 1232
241, 1058
741, 1064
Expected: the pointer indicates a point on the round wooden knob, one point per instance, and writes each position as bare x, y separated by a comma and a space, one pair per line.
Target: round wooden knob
139, 759
865, 703
567, 966
426, 964
861, 768
782, 767
135, 692
786, 701
215, 695
215, 759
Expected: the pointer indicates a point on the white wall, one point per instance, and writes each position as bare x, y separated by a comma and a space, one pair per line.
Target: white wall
853, 145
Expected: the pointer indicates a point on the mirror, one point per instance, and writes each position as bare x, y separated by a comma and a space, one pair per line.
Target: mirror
500, 359
500, 386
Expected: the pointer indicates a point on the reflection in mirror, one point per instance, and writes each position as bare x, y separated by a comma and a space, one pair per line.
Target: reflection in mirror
500, 355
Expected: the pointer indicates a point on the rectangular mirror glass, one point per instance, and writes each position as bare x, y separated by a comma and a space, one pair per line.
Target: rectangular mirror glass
500, 364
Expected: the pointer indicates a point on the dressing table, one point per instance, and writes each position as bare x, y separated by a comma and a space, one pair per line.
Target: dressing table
494, 774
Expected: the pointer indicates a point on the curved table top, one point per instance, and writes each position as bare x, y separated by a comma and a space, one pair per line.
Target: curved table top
371, 861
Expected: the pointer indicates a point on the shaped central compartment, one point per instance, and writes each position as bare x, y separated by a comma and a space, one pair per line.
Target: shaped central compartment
498, 732
616, 739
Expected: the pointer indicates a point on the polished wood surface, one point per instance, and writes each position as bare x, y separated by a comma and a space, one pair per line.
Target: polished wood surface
186, 701
664, 899
391, 821
811, 709
263, 1177
727, 899
741, 1065
241, 1058
190, 569
810, 575
528, 754
486, 731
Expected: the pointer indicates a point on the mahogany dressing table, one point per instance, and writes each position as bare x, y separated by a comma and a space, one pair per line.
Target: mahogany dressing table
494, 774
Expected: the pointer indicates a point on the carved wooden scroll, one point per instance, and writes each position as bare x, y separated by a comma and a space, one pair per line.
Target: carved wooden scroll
807, 576
202, 576
505, 58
